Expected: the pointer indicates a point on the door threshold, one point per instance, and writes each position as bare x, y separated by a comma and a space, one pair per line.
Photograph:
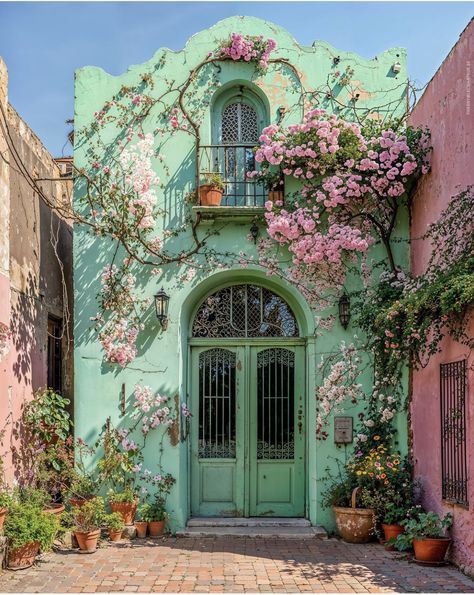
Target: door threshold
282, 528
248, 522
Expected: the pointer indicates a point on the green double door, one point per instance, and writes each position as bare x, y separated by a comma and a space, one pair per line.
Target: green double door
247, 431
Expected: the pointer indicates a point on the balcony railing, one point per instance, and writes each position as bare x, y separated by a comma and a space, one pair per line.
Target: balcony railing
233, 162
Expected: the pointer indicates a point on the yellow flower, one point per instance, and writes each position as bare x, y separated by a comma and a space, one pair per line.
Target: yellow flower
396, 462
376, 437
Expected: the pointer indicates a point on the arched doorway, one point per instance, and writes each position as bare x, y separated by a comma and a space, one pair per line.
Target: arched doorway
247, 397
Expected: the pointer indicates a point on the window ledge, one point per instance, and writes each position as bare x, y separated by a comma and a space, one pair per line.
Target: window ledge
239, 214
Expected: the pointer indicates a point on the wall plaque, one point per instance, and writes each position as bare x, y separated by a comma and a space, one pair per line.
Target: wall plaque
343, 430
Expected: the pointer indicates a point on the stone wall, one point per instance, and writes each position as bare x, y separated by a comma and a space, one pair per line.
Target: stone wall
446, 108
35, 270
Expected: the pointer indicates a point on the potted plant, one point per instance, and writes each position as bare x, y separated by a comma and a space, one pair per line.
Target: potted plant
210, 193
142, 525
87, 520
6, 501
392, 526
274, 182
83, 487
155, 515
28, 529
125, 503
427, 533
115, 526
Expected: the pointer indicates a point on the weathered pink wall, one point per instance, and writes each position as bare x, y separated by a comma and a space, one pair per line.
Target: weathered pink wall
447, 108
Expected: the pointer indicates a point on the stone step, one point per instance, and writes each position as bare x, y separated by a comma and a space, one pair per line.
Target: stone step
248, 522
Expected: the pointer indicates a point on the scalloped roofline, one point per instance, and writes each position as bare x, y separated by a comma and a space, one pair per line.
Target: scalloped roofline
228, 20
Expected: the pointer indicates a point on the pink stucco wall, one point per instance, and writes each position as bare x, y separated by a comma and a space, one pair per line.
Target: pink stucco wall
447, 108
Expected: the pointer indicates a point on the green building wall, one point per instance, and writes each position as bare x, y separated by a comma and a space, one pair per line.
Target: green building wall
163, 361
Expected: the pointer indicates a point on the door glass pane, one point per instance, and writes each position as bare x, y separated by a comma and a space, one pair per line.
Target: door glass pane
276, 403
217, 404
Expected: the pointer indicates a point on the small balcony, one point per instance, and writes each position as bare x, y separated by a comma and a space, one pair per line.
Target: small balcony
233, 163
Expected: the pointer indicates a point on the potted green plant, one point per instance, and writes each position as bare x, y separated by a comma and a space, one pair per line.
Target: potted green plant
83, 487
393, 517
124, 502
141, 524
210, 193
87, 520
427, 533
155, 515
115, 526
28, 529
6, 501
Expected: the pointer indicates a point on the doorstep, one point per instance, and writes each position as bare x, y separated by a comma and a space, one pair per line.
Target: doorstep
285, 528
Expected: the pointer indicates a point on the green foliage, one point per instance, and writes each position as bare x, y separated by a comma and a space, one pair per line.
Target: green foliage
35, 497
152, 512
114, 521
6, 498
128, 495
26, 523
215, 180
423, 525
89, 516
47, 417
339, 492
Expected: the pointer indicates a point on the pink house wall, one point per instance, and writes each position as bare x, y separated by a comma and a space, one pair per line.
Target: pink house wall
447, 108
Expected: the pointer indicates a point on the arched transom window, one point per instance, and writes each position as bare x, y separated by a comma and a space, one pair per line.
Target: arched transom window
246, 311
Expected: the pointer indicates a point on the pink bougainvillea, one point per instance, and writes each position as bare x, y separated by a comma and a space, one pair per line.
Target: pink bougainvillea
249, 48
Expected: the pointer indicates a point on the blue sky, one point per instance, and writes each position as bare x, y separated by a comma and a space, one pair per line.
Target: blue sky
44, 42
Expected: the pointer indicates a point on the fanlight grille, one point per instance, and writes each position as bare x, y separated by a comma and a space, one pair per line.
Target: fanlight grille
247, 311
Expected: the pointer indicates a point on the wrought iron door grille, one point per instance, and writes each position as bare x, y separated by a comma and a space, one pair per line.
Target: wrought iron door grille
453, 432
275, 399
244, 311
217, 404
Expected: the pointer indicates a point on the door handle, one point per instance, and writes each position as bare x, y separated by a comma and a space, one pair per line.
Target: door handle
300, 426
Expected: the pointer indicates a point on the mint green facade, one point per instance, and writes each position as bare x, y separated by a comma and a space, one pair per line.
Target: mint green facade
168, 360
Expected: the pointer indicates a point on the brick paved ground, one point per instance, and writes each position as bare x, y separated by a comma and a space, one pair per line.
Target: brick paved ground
230, 565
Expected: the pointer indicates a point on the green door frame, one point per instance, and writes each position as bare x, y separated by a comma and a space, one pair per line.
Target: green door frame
244, 502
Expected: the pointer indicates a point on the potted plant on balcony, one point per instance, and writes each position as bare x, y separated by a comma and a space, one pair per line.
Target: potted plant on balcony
210, 193
274, 182
87, 520
427, 533
115, 526
28, 529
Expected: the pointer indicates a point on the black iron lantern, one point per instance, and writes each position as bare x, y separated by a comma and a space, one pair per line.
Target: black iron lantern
254, 232
162, 300
344, 310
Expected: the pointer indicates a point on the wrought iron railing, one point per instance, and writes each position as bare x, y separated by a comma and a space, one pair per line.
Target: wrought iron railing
454, 432
233, 163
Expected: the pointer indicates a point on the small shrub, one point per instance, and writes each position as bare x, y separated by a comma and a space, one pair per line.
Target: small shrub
26, 523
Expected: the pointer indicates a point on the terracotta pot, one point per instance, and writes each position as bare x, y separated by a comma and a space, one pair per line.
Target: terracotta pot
87, 540
354, 525
23, 557
3, 514
54, 508
78, 502
115, 535
210, 196
391, 532
126, 509
275, 195
141, 527
432, 549
157, 528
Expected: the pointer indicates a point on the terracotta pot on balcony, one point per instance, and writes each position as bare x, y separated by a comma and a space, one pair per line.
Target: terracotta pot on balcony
210, 196
354, 525
275, 195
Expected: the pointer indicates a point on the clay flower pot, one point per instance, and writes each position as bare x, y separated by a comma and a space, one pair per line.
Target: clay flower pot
157, 528
126, 509
275, 195
431, 549
78, 502
87, 540
210, 196
54, 508
141, 527
23, 557
354, 525
3, 514
391, 532
115, 535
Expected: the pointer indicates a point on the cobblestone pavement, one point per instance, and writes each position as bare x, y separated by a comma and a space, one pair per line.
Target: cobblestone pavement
229, 564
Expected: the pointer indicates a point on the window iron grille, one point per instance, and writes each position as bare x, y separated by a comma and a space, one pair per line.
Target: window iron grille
454, 432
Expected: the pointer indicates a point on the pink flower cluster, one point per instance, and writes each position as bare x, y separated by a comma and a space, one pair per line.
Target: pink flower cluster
248, 48
149, 408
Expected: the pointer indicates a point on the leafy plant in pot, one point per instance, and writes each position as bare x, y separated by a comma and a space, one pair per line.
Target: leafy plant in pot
155, 515
427, 533
6, 501
141, 524
210, 193
82, 488
125, 503
28, 529
87, 520
115, 526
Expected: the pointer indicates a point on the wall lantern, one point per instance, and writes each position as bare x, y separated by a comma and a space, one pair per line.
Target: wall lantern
344, 310
162, 300
396, 67
254, 232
